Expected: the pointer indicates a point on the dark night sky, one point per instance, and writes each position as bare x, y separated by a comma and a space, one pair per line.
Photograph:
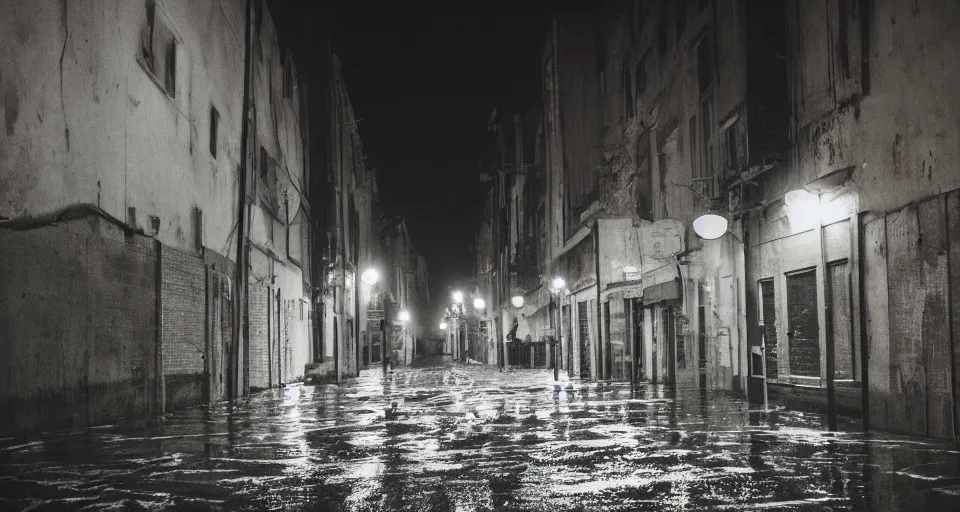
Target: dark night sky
423, 79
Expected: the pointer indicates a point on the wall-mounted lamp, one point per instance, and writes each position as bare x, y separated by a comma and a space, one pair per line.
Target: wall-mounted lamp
370, 276
443, 326
457, 297
517, 301
479, 303
711, 225
404, 316
558, 284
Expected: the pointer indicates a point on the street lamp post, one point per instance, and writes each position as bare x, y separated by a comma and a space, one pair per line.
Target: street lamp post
478, 304
457, 297
370, 277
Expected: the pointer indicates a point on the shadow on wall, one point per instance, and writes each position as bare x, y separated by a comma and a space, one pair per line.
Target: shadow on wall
78, 313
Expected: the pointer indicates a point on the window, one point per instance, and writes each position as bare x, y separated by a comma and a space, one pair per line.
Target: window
768, 312
158, 50
601, 55
704, 70
268, 181
641, 78
214, 126
296, 233
663, 35
681, 17
705, 140
730, 152
803, 329
865, 17
693, 149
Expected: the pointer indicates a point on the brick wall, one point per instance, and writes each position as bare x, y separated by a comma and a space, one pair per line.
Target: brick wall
182, 326
183, 299
78, 318
257, 312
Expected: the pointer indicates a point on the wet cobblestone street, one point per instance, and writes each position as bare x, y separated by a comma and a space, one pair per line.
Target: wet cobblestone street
471, 438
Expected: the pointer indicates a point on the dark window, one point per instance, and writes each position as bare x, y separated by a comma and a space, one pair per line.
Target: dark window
704, 70
694, 153
583, 322
706, 143
641, 76
663, 31
158, 50
841, 325
802, 324
730, 136
866, 16
769, 314
681, 17
842, 36
214, 126
268, 182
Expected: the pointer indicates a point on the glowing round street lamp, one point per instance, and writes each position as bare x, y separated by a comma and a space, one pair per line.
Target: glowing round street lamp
517, 301
370, 276
404, 316
443, 326
558, 284
710, 225
479, 303
457, 297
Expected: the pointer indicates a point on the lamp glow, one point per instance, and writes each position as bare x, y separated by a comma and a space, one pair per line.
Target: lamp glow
517, 301
443, 326
370, 276
559, 284
404, 316
457, 297
479, 303
710, 226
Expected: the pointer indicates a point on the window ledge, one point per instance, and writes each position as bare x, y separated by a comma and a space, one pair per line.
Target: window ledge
156, 81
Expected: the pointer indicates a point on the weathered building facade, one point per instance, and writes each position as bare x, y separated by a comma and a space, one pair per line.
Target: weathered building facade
125, 208
805, 126
406, 293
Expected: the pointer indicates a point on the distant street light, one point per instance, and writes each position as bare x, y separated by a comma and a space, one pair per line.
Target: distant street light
443, 326
370, 276
458, 297
404, 316
479, 303
559, 284
517, 301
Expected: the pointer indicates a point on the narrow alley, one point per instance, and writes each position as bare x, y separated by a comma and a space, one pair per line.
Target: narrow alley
457, 437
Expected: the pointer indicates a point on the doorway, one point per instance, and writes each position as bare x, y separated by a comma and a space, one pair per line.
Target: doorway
583, 322
803, 327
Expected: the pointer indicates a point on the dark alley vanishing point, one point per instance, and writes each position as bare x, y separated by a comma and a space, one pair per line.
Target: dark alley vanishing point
457, 437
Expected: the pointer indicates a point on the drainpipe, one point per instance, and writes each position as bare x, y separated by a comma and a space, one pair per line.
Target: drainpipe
602, 366
242, 226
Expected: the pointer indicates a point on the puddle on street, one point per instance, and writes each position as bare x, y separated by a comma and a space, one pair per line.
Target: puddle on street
468, 438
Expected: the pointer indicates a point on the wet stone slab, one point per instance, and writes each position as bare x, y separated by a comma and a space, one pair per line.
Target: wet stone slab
470, 438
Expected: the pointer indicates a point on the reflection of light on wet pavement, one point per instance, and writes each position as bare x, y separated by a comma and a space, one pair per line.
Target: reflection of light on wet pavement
475, 439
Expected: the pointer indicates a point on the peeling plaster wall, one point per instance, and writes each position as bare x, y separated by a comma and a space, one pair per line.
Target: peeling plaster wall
85, 123
901, 138
898, 139
277, 130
